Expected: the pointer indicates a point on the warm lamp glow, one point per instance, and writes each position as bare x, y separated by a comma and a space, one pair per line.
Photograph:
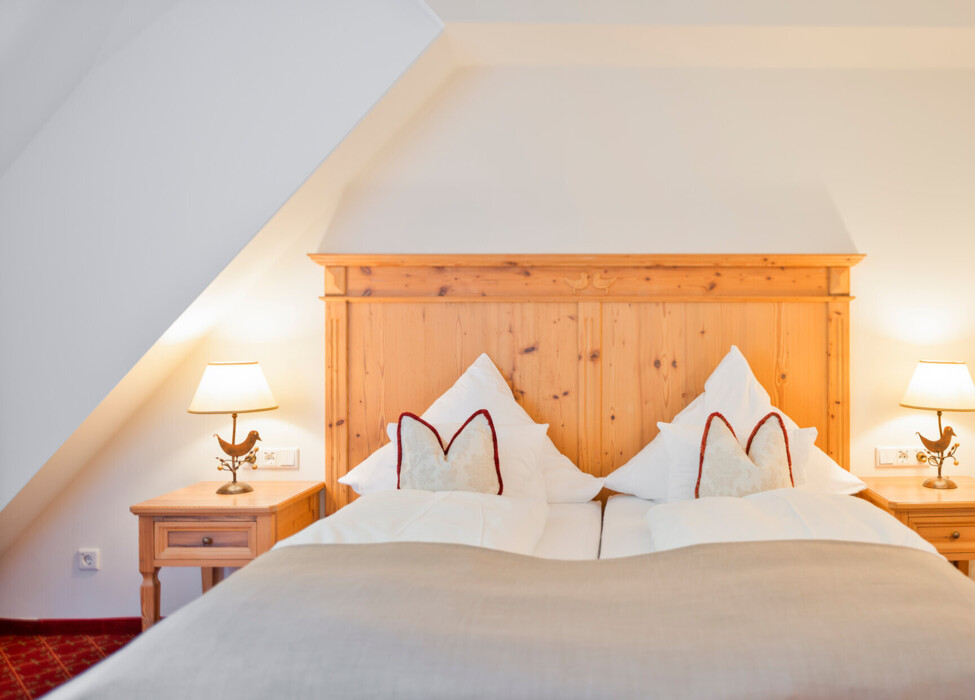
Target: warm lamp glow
940, 386
233, 387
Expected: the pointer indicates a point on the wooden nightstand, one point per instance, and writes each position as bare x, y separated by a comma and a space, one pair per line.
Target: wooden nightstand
197, 527
945, 518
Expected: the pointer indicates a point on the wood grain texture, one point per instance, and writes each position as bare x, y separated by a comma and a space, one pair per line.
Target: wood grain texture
598, 347
466, 281
945, 518
335, 281
336, 403
195, 526
838, 382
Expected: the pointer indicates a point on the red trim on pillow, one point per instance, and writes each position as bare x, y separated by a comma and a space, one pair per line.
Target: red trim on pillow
446, 450
704, 442
785, 434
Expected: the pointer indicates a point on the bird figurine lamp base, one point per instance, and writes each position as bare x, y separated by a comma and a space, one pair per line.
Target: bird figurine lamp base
937, 453
239, 455
939, 482
232, 488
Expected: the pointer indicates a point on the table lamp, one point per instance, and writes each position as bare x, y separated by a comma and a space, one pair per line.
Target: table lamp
940, 386
234, 387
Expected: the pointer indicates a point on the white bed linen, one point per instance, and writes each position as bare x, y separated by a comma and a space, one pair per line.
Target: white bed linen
572, 531
629, 529
451, 517
625, 529
779, 514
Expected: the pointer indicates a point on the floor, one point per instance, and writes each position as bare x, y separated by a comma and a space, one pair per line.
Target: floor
31, 665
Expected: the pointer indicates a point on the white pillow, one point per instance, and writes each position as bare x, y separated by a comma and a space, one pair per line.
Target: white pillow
519, 447
682, 444
733, 391
646, 475
823, 475
728, 469
482, 386
784, 514
468, 460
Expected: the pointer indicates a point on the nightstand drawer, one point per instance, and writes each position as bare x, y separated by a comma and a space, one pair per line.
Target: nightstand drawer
209, 541
948, 538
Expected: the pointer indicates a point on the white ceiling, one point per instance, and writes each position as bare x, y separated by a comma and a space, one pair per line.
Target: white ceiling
809, 13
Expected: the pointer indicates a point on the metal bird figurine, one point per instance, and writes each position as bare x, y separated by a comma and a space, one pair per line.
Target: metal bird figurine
939, 445
242, 448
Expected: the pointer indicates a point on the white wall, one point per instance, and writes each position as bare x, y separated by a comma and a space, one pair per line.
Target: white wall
168, 136
522, 159
161, 447
267, 304
579, 160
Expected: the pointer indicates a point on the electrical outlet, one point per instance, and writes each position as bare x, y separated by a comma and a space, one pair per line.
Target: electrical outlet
898, 456
88, 559
277, 458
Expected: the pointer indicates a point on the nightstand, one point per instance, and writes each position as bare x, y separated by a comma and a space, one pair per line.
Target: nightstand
945, 518
195, 526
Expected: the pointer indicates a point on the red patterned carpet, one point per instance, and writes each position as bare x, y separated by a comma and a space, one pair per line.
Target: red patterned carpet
33, 664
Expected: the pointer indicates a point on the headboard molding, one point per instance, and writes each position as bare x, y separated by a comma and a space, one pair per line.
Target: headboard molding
601, 347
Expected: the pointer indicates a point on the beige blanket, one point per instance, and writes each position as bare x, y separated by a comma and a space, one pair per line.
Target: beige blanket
807, 619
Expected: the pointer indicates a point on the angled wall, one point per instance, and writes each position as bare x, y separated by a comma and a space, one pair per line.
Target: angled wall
191, 123
141, 442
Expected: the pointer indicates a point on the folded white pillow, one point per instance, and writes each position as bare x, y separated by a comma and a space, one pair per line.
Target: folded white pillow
683, 448
733, 391
783, 514
483, 386
452, 517
468, 460
519, 447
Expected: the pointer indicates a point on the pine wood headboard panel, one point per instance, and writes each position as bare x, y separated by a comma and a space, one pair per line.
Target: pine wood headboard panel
601, 347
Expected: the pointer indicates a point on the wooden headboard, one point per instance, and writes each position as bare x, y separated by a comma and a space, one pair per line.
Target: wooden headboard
601, 347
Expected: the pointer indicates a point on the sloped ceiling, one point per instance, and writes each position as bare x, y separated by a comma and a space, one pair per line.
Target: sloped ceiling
162, 143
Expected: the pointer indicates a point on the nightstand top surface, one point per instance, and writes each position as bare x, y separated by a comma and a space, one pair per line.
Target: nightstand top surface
903, 490
267, 496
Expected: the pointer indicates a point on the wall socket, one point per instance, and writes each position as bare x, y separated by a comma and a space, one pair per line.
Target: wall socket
899, 456
88, 559
277, 458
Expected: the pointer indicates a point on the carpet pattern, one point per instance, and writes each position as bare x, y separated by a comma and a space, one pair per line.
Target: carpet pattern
33, 664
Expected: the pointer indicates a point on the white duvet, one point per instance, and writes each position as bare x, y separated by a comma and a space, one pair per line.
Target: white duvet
452, 517
783, 514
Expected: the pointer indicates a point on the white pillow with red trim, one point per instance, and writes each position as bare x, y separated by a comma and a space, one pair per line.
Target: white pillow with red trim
725, 469
683, 445
519, 448
733, 391
483, 386
468, 462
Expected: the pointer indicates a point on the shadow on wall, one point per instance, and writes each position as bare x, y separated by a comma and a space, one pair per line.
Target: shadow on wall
656, 217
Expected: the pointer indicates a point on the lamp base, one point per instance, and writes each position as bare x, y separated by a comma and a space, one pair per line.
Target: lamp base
233, 488
939, 482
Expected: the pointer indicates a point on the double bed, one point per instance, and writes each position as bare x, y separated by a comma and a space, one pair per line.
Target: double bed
388, 598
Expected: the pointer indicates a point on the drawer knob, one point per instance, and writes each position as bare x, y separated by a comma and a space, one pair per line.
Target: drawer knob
955, 535
209, 540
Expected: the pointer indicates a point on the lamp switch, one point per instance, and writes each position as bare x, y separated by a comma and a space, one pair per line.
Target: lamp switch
277, 458
899, 456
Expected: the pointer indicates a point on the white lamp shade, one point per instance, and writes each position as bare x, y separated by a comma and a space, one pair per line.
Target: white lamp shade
232, 387
940, 386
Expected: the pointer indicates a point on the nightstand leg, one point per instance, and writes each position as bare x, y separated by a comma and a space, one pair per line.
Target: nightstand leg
962, 566
149, 593
212, 575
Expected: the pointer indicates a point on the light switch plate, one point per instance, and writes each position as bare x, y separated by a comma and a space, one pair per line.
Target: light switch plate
277, 458
898, 456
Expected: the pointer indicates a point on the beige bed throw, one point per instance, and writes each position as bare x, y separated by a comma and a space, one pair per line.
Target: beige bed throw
798, 619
